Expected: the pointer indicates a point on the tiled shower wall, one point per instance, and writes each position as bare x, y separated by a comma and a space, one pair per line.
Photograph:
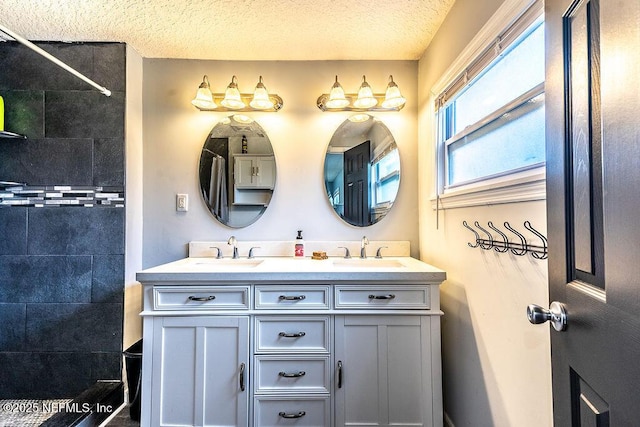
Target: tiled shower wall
61, 265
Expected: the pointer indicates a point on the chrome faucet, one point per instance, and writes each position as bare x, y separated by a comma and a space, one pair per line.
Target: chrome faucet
363, 250
232, 241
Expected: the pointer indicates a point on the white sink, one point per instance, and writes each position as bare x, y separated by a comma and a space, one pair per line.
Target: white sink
367, 263
226, 263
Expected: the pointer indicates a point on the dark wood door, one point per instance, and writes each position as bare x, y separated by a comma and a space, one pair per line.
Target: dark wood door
356, 184
593, 198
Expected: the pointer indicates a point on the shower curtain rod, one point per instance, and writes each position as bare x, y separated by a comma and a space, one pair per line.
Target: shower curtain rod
53, 59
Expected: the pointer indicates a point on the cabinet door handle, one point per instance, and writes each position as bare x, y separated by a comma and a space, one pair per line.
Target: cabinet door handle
291, 298
242, 366
390, 296
296, 335
298, 415
257, 170
292, 375
209, 298
339, 373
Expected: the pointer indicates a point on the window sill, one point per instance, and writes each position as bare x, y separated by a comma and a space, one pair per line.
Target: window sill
524, 186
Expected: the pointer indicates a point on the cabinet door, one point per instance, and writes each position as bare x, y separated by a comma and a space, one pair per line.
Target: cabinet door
265, 172
383, 371
244, 170
200, 371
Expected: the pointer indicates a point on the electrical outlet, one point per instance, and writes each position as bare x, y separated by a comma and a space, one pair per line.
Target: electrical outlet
182, 202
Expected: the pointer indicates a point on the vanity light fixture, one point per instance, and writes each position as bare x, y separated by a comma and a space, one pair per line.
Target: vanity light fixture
364, 100
233, 100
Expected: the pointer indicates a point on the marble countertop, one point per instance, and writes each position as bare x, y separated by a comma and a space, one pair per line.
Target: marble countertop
274, 269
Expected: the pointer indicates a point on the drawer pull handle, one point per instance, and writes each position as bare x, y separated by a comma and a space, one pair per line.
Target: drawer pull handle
296, 335
242, 367
209, 298
390, 296
339, 373
293, 375
298, 415
291, 298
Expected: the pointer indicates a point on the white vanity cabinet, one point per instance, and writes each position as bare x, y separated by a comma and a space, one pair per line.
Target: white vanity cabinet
280, 347
199, 369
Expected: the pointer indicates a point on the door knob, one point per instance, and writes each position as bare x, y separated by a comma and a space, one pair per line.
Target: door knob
557, 315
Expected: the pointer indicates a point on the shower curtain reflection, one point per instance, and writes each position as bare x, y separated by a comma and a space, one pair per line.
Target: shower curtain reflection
218, 189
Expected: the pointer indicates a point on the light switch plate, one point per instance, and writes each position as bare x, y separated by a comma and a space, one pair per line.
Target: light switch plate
182, 202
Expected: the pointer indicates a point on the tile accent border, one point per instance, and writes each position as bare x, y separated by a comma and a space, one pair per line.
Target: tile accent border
61, 195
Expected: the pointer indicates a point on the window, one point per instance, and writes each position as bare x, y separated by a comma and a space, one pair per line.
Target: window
490, 118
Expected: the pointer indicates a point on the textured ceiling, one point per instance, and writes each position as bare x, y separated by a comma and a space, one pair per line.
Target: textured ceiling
237, 29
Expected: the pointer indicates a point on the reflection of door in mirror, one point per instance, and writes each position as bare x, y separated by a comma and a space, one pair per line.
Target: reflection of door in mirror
356, 184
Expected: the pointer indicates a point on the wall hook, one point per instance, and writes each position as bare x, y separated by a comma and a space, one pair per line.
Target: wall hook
516, 250
474, 232
500, 247
485, 244
538, 254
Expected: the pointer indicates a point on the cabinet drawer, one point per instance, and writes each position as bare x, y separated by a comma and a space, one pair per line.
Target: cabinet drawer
291, 374
297, 334
387, 297
291, 411
292, 297
201, 298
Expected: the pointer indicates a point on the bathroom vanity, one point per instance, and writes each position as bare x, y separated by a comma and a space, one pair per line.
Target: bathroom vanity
279, 341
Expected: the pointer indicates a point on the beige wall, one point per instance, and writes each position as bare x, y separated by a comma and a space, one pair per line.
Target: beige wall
133, 159
174, 132
496, 366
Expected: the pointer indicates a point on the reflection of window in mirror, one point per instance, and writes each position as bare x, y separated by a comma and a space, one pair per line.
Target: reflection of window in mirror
386, 177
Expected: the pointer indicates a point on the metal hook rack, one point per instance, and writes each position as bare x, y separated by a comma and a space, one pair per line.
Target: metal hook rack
503, 244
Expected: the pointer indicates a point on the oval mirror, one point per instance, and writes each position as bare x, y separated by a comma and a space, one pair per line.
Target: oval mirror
237, 171
362, 170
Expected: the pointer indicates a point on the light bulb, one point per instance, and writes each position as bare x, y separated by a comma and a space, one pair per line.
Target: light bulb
261, 99
204, 97
336, 97
365, 96
393, 98
232, 98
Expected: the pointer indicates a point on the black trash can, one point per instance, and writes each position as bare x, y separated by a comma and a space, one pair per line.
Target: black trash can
133, 365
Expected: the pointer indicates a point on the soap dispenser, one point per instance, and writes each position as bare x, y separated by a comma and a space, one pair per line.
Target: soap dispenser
299, 248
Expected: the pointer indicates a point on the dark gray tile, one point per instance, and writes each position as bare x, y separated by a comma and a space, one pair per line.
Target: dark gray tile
108, 278
26, 70
13, 319
106, 366
108, 162
13, 229
48, 279
60, 231
44, 375
110, 65
24, 112
48, 161
74, 327
84, 114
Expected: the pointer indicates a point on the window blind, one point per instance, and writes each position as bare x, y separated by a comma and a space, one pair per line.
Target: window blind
491, 52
